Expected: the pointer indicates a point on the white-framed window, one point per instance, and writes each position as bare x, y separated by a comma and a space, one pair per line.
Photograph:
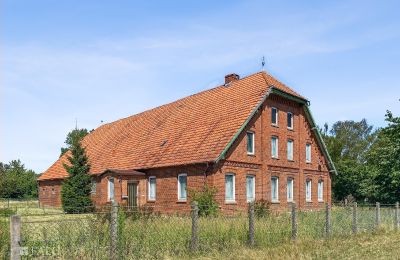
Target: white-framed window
320, 190
274, 147
290, 150
275, 189
182, 187
93, 186
289, 120
308, 152
151, 195
308, 190
274, 116
110, 189
289, 189
230, 187
250, 143
250, 188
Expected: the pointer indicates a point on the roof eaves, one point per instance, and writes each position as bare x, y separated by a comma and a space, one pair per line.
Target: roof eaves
284, 94
320, 140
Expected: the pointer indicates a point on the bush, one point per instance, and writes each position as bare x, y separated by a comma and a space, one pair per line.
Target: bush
206, 201
262, 208
6, 212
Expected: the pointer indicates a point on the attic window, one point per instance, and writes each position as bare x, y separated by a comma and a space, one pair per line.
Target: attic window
163, 142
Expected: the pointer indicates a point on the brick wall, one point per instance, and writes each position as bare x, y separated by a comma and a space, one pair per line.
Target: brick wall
263, 166
50, 193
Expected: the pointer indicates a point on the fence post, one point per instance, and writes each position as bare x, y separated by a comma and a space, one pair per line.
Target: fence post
294, 222
15, 237
377, 214
396, 216
327, 220
114, 230
355, 218
251, 223
194, 242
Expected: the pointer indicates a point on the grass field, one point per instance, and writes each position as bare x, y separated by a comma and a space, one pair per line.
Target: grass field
86, 236
380, 245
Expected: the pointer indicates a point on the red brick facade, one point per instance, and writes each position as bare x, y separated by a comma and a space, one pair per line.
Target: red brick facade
238, 162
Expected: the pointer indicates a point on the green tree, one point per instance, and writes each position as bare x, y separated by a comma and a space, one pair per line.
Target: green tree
384, 163
75, 135
75, 191
16, 181
348, 143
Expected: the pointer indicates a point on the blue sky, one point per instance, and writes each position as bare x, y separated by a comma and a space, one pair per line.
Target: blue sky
104, 60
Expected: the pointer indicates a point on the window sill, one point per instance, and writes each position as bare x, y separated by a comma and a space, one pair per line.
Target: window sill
251, 154
181, 201
321, 201
151, 201
290, 129
290, 160
275, 202
230, 202
308, 162
291, 201
275, 125
275, 158
308, 201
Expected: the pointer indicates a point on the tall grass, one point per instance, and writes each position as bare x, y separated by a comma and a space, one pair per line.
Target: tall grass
87, 236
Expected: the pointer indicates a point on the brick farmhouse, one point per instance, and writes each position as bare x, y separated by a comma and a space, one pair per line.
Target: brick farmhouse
251, 138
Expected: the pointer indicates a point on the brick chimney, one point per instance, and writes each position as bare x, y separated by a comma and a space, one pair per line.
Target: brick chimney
231, 77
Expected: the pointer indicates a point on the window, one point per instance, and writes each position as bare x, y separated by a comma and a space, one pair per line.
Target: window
320, 190
182, 187
289, 120
250, 142
274, 189
308, 152
93, 187
274, 147
53, 191
290, 150
289, 189
230, 187
274, 116
152, 188
250, 188
308, 190
111, 189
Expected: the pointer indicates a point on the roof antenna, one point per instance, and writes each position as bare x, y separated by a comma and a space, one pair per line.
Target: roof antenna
262, 63
76, 123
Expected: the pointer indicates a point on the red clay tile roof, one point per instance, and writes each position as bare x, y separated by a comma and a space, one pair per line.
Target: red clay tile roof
194, 129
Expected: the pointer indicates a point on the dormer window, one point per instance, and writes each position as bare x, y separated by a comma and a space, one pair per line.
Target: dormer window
250, 143
274, 116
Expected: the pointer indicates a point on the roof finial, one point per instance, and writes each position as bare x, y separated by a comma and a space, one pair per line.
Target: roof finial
262, 63
76, 123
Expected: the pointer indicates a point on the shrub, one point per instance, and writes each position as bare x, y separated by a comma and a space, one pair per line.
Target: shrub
6, 212
206, 200
262, 208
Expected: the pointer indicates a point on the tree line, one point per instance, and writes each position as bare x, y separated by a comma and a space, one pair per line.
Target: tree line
367, 160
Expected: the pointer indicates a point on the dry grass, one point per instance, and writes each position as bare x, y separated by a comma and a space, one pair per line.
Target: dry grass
381, 245
86, 236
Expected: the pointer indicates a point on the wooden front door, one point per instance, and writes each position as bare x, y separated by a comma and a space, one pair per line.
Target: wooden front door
132, 194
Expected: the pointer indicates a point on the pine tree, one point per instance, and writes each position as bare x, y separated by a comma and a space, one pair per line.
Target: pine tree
75, 192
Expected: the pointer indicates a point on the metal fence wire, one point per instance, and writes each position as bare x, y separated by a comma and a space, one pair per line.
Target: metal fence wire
119, 232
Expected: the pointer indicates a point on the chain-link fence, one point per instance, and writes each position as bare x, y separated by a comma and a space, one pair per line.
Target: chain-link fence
118, 232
